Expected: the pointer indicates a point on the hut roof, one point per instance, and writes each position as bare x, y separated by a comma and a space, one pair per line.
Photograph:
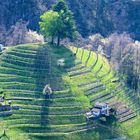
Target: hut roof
100, 105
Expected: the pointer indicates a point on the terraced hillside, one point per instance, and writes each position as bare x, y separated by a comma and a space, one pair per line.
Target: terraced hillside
86, 78
100, 83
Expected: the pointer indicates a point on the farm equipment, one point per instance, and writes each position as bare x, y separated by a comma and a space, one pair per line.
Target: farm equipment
100, 110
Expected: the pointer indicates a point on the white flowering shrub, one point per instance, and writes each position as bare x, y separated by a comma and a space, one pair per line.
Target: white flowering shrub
32, 37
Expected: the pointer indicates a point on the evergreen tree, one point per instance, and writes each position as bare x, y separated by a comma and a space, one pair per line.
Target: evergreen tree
69, 28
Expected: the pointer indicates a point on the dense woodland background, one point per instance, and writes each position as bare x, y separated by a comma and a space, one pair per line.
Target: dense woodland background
92, 16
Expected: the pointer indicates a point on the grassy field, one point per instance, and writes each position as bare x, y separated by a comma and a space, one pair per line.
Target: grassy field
86, 78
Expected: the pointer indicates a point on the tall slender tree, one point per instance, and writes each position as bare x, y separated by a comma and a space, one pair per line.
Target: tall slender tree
69, 28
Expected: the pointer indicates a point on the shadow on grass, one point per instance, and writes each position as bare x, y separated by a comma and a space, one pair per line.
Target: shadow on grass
49, 73
42, 65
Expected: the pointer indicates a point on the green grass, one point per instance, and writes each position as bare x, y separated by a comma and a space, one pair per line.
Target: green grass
106, 76
26, 69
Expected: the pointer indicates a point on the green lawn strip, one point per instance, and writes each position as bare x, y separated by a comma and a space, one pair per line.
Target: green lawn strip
92, 85
6, 75
15, 53
95, 95
47, 112
92, 59
19, 67
24, 86
98, 66
18, 58
30, 47
27, 47
23, 50
132, 128
21, 77
108, 77
79, 53
106, 64
18, 83
75, 67
22, 55
53, 109
55, 100
9, 78
38, 127
29, 60
93, 91
103, 71
21, 94
56, 94
18, 94
53, 103
50, 119
4, 70
79, 70
84, 78
25, 63
25, 69
85, 56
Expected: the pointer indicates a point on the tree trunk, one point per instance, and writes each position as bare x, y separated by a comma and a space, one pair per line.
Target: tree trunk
58, 41
52, 42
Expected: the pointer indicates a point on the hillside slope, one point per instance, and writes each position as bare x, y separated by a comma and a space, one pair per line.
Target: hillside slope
86, 78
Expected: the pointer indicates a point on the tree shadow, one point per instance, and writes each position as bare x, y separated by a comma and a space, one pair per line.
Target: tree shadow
42, 65
49, 73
